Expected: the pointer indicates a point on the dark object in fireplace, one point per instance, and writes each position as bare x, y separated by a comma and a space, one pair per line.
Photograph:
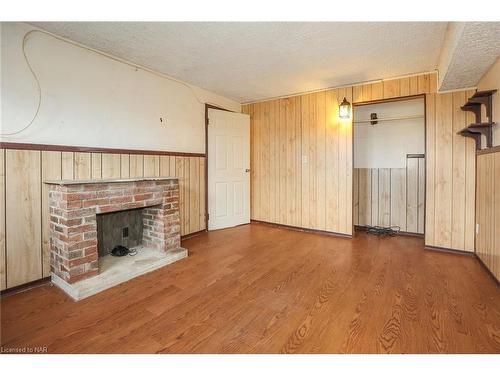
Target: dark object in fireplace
120, 251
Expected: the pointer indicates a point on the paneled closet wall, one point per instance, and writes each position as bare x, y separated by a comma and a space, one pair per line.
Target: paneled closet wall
24, 234
391, 196
302, 166
488, 210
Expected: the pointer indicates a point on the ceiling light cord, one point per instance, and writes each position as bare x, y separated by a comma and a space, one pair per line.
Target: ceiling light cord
39, 90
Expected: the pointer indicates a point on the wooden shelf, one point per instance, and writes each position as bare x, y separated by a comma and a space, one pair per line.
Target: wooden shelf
479, 128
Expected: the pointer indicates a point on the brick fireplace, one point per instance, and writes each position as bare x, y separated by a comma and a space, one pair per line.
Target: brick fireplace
73, 208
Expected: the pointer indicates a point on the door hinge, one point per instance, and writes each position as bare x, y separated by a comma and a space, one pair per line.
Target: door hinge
208, 121
208, 216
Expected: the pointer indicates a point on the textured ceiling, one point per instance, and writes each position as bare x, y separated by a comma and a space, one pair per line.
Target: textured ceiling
470, 49
252, 61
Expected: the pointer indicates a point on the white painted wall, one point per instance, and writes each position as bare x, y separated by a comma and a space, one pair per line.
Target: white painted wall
491, 81
91, 100
386, 144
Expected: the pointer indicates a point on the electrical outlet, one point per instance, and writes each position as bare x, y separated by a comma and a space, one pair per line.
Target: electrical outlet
477, 228
305, 159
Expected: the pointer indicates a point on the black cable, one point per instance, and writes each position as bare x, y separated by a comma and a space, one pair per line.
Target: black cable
382, 231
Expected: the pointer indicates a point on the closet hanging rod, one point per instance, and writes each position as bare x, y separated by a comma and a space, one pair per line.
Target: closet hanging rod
389, 119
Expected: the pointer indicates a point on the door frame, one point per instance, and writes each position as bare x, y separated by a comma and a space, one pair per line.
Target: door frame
207, 107
390, 100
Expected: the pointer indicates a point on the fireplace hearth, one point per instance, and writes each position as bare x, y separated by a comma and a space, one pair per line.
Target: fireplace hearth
77, 210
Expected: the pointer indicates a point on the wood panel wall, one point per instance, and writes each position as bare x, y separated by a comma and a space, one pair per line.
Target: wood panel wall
450, 173
391, 196
286, 132
24, 235
301, 162
488, 211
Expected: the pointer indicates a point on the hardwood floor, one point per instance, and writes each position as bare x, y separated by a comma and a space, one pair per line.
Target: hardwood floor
260, 289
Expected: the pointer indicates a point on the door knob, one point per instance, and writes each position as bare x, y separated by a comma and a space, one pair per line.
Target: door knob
247, 170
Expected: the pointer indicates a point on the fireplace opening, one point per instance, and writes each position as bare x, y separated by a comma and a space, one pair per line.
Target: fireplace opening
121, 228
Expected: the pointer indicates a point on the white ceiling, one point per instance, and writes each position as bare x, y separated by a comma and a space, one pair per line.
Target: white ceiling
470, 49
252, 61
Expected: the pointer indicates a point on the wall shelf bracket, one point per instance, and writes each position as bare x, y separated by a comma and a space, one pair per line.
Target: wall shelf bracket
479, 128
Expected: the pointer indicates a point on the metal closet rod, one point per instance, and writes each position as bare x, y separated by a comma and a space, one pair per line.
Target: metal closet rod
390, 119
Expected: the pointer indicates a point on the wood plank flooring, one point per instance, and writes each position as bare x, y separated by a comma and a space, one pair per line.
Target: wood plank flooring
261, 289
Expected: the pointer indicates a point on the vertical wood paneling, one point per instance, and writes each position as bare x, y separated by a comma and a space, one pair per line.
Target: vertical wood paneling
430, 154
320, 167
450, 171
332, 161
398, 198
458, 171
185, 187
202, 194
445, 226
377, 91
412, 195
82, 166
151, 165
302, 162
194, 194
96, 165
355, 197
421, 196
273, 163
392, 89
348, 140
404, 86
395, 198
495, 267
51, 170
470, 185
3, 273
124, 165
136, 166
443, 171
305, 105
255, 157
164, 166
67, 165
374, 197
23, 229
281, 168
29, 243
179, 172
384, 197
365, 196
488, 211
111, 165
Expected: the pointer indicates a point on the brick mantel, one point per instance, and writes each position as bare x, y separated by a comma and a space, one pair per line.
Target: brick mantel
73, 208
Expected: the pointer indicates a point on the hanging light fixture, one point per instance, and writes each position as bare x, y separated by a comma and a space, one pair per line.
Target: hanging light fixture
345, 110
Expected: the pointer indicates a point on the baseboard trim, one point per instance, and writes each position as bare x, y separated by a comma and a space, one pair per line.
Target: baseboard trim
491, 274
300, 229
448, 250
25, 287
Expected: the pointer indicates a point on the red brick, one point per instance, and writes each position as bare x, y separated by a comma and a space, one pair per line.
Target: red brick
95, 202
87, 259
123, 199
142, 197
80, 196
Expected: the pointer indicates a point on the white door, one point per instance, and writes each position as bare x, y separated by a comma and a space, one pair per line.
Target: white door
228, 169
